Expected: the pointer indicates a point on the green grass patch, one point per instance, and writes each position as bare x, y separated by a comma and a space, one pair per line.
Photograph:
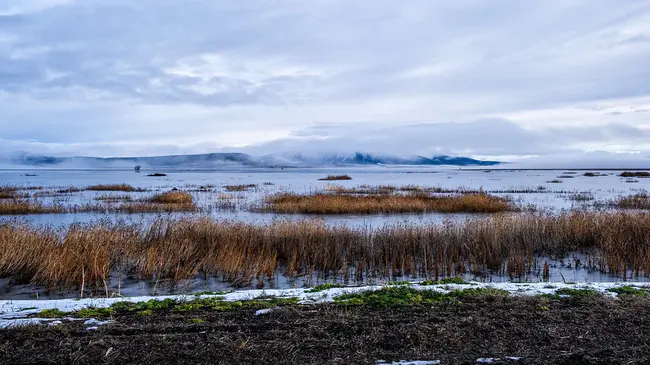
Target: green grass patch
629, 290
218, 304
196, 321
456, 280
93, 312
570, 294
50, 313
144, 313
405, 296
325, 286
152, 304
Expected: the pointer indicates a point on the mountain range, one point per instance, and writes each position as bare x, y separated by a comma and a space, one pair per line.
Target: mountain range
216, 160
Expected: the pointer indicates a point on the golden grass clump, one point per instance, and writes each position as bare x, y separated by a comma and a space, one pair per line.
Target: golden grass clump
172, 201
635, 174
113, 187
22, 207
111, 198
335, 177
242, 187
368, 204
172, 197
636, 201
8, 192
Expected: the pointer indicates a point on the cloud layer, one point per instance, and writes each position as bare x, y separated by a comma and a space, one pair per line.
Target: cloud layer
505, 78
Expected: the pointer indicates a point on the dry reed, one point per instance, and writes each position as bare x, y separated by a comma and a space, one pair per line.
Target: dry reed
635, 174
615, 243
368, 204
113, 187
335, 177
242, 187
22, 207
637, 201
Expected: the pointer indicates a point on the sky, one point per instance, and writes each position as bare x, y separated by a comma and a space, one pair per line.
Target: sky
503, 79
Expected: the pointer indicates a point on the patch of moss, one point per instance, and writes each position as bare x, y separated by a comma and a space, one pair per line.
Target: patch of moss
571, 294
219, 304
93, 312
50, 313
322, 287
478, 292
629, 290
152, 304
455, 280
196, 321
144, 313
404, 296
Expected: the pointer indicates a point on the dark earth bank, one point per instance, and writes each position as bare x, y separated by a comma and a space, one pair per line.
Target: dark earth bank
594, 331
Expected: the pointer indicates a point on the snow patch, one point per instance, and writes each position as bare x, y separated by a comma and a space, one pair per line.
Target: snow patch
16, 309
265, 311
95, 322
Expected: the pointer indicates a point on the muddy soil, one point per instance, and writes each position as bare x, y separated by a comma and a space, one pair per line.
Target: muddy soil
595, 331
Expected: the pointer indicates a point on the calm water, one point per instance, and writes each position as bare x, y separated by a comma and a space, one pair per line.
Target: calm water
555, 198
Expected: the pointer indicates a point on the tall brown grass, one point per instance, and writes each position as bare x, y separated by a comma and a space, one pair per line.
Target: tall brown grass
172, 201
113, 187
335, 177
368, 204
615, 243
12, 192
8, 192
636, 201
635, 174
242, 187
22, 207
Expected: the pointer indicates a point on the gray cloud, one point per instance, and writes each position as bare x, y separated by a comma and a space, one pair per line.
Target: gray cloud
510, 78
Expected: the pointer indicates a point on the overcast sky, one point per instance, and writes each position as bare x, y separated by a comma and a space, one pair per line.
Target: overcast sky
505, 78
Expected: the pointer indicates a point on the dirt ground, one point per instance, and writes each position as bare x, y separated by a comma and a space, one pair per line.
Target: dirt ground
597, 331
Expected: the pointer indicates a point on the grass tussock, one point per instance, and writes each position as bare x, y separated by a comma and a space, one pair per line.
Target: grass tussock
87, 255
636, 201
642, 174
23, 207
242, 187
111, 198
172, 201
412, 203
8, 192
335, 177
113, 187
172, 197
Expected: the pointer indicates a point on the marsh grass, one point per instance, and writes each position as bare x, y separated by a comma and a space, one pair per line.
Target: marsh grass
23, 207
320, 203
242, 187
111, 198
172, 197
641, 174
636, 201
581, 197
113, 187
87, 255
16, 192
171, 201
394, 189
335, 177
